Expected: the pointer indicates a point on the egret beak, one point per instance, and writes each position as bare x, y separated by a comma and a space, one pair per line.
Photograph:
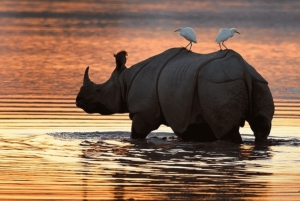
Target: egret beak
176, 30
237, 32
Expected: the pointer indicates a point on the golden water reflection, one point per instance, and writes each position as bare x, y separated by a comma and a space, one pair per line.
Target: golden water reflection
155, 169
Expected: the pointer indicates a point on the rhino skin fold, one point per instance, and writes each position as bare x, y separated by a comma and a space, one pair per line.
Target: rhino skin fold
202, 97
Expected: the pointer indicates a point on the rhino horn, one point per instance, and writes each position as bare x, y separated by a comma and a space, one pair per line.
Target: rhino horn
86, 78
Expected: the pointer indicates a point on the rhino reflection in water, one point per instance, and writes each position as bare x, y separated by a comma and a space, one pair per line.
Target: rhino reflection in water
202, 97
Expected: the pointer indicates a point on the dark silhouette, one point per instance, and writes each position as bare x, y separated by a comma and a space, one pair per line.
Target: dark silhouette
202, 97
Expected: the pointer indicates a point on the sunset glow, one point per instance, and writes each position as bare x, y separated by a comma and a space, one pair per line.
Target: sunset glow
50, 149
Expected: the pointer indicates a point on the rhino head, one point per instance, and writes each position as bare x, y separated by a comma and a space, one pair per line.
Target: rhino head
104, 98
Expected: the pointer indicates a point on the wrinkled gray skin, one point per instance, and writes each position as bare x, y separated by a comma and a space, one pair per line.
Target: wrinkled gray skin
202, 97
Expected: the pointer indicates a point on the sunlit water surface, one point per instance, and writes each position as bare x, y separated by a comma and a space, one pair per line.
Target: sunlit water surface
52, 150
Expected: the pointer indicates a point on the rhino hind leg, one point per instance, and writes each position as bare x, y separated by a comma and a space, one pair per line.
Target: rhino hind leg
233, 136
197, 132
261, 128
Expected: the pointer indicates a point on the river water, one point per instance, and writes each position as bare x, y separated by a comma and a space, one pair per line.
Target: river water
51, 150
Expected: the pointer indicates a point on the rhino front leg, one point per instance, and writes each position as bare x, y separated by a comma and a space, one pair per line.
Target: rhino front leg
139, 128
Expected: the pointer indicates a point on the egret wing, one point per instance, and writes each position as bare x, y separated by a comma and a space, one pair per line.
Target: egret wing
189, 35
223, 35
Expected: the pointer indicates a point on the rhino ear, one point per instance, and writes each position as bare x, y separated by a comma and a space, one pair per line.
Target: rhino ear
120, 60
86, 78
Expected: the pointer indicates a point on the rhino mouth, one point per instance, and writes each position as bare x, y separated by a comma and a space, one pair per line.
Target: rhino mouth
84, 106
93, 108
80, 104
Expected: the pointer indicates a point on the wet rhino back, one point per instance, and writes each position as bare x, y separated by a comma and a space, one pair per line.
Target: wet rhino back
178, 87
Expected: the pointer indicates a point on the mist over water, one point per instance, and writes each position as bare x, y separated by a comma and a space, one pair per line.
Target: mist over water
52, 150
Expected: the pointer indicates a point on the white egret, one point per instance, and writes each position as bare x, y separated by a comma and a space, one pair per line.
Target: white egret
189, 34
224, 34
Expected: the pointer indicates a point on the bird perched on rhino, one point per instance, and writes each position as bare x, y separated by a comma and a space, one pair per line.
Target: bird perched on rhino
121, 58
189, 34
224, 34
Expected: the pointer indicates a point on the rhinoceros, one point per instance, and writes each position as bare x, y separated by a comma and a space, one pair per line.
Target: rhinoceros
202, 97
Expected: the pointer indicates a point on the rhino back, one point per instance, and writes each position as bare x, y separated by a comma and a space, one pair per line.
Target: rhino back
180, 88
196, 88
256, 77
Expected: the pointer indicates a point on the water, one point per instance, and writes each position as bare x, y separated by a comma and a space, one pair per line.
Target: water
52, 150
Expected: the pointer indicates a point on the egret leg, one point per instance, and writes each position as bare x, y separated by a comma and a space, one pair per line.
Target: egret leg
191, 46
220, 46
224, 45
188, 45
